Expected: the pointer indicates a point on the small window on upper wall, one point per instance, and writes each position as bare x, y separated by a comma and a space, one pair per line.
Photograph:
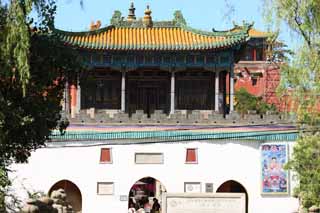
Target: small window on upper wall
105, 155
192, 155
254, 81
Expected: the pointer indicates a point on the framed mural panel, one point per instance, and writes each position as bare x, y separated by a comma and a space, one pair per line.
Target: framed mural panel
274, 179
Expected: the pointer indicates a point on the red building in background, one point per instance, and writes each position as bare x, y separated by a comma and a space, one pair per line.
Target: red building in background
255, 73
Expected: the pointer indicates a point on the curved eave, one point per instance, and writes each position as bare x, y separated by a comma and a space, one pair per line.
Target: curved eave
155, 47
83, 33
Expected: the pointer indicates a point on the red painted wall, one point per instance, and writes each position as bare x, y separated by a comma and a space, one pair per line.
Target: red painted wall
267, 77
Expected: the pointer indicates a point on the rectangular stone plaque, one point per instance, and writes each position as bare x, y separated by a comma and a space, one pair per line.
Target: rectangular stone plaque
204, 203
148, 158
123, 197
104, 188
192, 187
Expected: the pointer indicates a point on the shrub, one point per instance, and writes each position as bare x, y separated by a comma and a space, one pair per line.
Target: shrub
246, 101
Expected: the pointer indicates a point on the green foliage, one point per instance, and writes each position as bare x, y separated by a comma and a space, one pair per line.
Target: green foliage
303, 72
305, 161
301, 76
276, 50
4, 182
29, 111
245, 102
16, 46
178, 18
18, 41
34, 67
116, 18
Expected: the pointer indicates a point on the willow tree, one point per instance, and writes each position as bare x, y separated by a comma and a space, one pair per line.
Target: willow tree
301, 78
34, 65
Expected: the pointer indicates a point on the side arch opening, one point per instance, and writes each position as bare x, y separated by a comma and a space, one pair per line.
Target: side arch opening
72, 191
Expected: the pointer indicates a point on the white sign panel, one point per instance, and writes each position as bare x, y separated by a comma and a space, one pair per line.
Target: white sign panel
204, 203
149, 158
192, 187
104, 188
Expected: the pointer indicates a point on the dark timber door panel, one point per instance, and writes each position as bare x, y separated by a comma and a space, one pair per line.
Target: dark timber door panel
148, 93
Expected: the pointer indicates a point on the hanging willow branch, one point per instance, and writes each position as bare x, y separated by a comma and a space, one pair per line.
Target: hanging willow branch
17, 44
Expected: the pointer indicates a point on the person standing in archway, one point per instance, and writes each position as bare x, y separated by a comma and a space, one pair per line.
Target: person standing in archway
131, 208
155, 206
141, 209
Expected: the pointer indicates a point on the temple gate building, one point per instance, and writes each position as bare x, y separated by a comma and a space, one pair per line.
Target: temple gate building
154, 113
166, 67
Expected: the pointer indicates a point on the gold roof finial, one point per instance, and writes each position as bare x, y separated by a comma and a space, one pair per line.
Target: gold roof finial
131, 15
147, 19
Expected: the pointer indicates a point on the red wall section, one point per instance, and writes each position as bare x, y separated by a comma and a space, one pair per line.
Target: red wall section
267, 79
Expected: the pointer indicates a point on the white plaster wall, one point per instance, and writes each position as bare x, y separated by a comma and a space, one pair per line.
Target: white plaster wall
218, 162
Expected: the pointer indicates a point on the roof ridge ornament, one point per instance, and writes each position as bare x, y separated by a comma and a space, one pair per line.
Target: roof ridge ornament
147, 19
244, 28
245, 24
131, 15
95, 26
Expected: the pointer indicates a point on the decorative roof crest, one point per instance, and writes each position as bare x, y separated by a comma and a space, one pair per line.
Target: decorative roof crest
147, 19
95, 26
131, 15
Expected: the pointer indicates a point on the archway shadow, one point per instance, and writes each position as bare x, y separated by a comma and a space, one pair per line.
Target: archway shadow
145, 193
72, 191
232, 186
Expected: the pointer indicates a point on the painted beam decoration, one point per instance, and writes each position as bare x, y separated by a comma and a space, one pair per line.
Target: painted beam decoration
274, 179
218, 59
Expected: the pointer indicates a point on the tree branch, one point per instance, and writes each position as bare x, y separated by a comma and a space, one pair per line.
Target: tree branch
303, 33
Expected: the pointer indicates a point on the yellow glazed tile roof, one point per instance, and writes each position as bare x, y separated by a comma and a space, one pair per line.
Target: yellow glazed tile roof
253, 33
154, 38
258, 34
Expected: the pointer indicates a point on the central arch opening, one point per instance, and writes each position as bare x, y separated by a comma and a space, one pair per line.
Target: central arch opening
146, 193
232, 186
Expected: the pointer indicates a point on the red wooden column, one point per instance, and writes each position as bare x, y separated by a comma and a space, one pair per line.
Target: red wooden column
73, 100
231, 92
254, 54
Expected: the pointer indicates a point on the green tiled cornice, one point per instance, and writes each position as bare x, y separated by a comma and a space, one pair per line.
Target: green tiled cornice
171, 136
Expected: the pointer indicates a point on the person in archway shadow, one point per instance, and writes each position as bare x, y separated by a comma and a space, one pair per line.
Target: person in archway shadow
146, 205
131, 208
141, 209
155, 206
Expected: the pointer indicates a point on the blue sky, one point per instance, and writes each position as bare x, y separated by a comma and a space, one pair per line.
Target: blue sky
201, 14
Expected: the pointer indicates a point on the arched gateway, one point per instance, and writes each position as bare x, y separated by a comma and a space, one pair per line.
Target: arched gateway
144, 191
72, 191
232, 186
